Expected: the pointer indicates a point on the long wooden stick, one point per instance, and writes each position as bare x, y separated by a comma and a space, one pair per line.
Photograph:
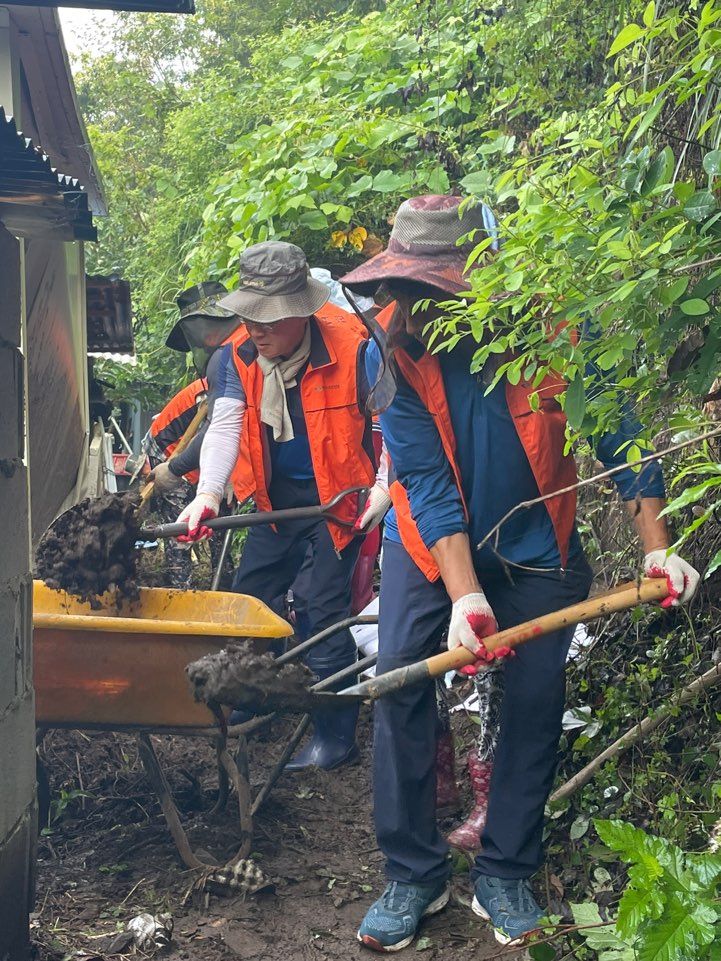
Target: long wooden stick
638, 731
190, 431
643, 591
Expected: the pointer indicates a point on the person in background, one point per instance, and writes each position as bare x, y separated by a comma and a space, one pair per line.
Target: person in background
463, 457
201, 328
289, 427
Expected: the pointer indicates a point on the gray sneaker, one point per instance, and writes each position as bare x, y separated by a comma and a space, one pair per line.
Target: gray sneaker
510, 907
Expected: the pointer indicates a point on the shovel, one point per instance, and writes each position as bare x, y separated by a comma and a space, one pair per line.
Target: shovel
190, 431
237, 521
620, 598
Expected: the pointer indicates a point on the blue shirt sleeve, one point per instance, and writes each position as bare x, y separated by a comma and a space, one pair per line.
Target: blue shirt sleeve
227, 381
419, 461
612, 449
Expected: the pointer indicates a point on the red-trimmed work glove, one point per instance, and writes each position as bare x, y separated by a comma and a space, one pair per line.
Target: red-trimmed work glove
472, 619
201, 508
379, 500
377, 506
682, 579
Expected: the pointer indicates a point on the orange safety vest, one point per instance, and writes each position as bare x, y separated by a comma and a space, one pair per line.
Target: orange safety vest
174, 419
339, 432
542, 434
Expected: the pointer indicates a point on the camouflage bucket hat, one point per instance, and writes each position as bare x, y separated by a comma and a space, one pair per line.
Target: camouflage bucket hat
275, 284
202, 322
424, 245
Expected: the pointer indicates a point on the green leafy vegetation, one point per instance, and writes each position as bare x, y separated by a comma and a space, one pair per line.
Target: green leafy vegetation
594, 132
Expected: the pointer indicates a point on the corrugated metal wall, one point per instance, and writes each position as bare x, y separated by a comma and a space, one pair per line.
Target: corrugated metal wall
18, 828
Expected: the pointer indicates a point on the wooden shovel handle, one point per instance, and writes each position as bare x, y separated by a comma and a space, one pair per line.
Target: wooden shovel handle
190, 431
617, 599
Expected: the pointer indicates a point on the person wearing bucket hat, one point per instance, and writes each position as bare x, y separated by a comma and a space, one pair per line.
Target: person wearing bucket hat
463, 457
196, 304
202, 327
289, 427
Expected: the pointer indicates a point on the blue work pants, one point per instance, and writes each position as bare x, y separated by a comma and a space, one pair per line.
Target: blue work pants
413, 613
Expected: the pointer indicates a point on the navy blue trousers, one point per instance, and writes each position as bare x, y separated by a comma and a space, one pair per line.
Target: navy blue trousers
413, 613
272, 559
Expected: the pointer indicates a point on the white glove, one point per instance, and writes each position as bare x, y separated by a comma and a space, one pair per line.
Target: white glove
379, 500
201, 508
164, 479
682, 579
377, 506
472, 619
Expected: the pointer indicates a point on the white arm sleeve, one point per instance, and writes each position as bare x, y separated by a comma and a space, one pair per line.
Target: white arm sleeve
383, 468
221, 446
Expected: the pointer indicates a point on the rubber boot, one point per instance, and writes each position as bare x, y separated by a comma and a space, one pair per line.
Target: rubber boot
333, 742
468, 835
448, 799
362, 583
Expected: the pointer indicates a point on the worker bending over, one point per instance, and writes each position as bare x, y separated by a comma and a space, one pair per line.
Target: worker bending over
463, 458
289, 427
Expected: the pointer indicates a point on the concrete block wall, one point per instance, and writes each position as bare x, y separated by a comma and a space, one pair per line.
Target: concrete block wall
18, 817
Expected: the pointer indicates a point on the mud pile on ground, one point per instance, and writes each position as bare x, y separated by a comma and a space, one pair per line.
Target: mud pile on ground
237, 677
91, 548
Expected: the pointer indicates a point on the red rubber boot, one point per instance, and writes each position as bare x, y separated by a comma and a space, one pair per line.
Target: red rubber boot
467, 837
448, 799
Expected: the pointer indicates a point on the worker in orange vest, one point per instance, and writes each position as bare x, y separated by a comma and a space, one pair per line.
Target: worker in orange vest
463, 457
201, 327
289, 427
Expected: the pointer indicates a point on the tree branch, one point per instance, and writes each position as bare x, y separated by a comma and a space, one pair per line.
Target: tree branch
638, 731
593, 480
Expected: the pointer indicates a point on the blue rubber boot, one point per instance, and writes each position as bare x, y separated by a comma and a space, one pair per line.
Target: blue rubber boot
333, 742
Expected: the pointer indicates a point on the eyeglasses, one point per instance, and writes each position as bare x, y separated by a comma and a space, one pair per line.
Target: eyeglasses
268, 328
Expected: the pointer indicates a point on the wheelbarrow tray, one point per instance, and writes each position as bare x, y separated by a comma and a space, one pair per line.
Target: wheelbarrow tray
122, 667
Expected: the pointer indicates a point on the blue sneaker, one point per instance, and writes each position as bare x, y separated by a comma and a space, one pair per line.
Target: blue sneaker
392, 922
510, 907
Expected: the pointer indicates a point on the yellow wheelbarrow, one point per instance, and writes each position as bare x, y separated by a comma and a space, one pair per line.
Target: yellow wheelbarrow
122, 668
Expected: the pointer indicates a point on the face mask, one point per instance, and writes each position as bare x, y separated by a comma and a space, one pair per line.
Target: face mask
201, 356
208, 332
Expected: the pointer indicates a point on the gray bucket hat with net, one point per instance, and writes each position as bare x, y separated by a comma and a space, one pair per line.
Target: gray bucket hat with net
275, 284
202, 323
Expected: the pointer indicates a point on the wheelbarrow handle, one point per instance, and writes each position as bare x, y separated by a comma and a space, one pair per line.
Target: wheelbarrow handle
239, 521
618, 599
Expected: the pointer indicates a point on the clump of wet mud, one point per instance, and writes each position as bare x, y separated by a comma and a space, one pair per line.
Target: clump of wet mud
91, 548
237, 677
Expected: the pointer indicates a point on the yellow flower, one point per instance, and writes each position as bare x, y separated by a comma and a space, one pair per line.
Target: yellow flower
356, 237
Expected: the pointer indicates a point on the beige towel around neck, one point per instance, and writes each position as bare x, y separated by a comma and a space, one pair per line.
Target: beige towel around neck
278, 376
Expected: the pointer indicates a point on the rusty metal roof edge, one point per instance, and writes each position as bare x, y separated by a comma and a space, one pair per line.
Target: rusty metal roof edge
74, 195
60, 127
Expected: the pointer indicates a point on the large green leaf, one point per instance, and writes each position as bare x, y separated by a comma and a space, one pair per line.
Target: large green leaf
700, 205
575, 406
626, 37
678, 935
712, 162
386, 181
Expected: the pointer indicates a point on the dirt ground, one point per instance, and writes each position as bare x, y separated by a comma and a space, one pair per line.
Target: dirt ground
108, 856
